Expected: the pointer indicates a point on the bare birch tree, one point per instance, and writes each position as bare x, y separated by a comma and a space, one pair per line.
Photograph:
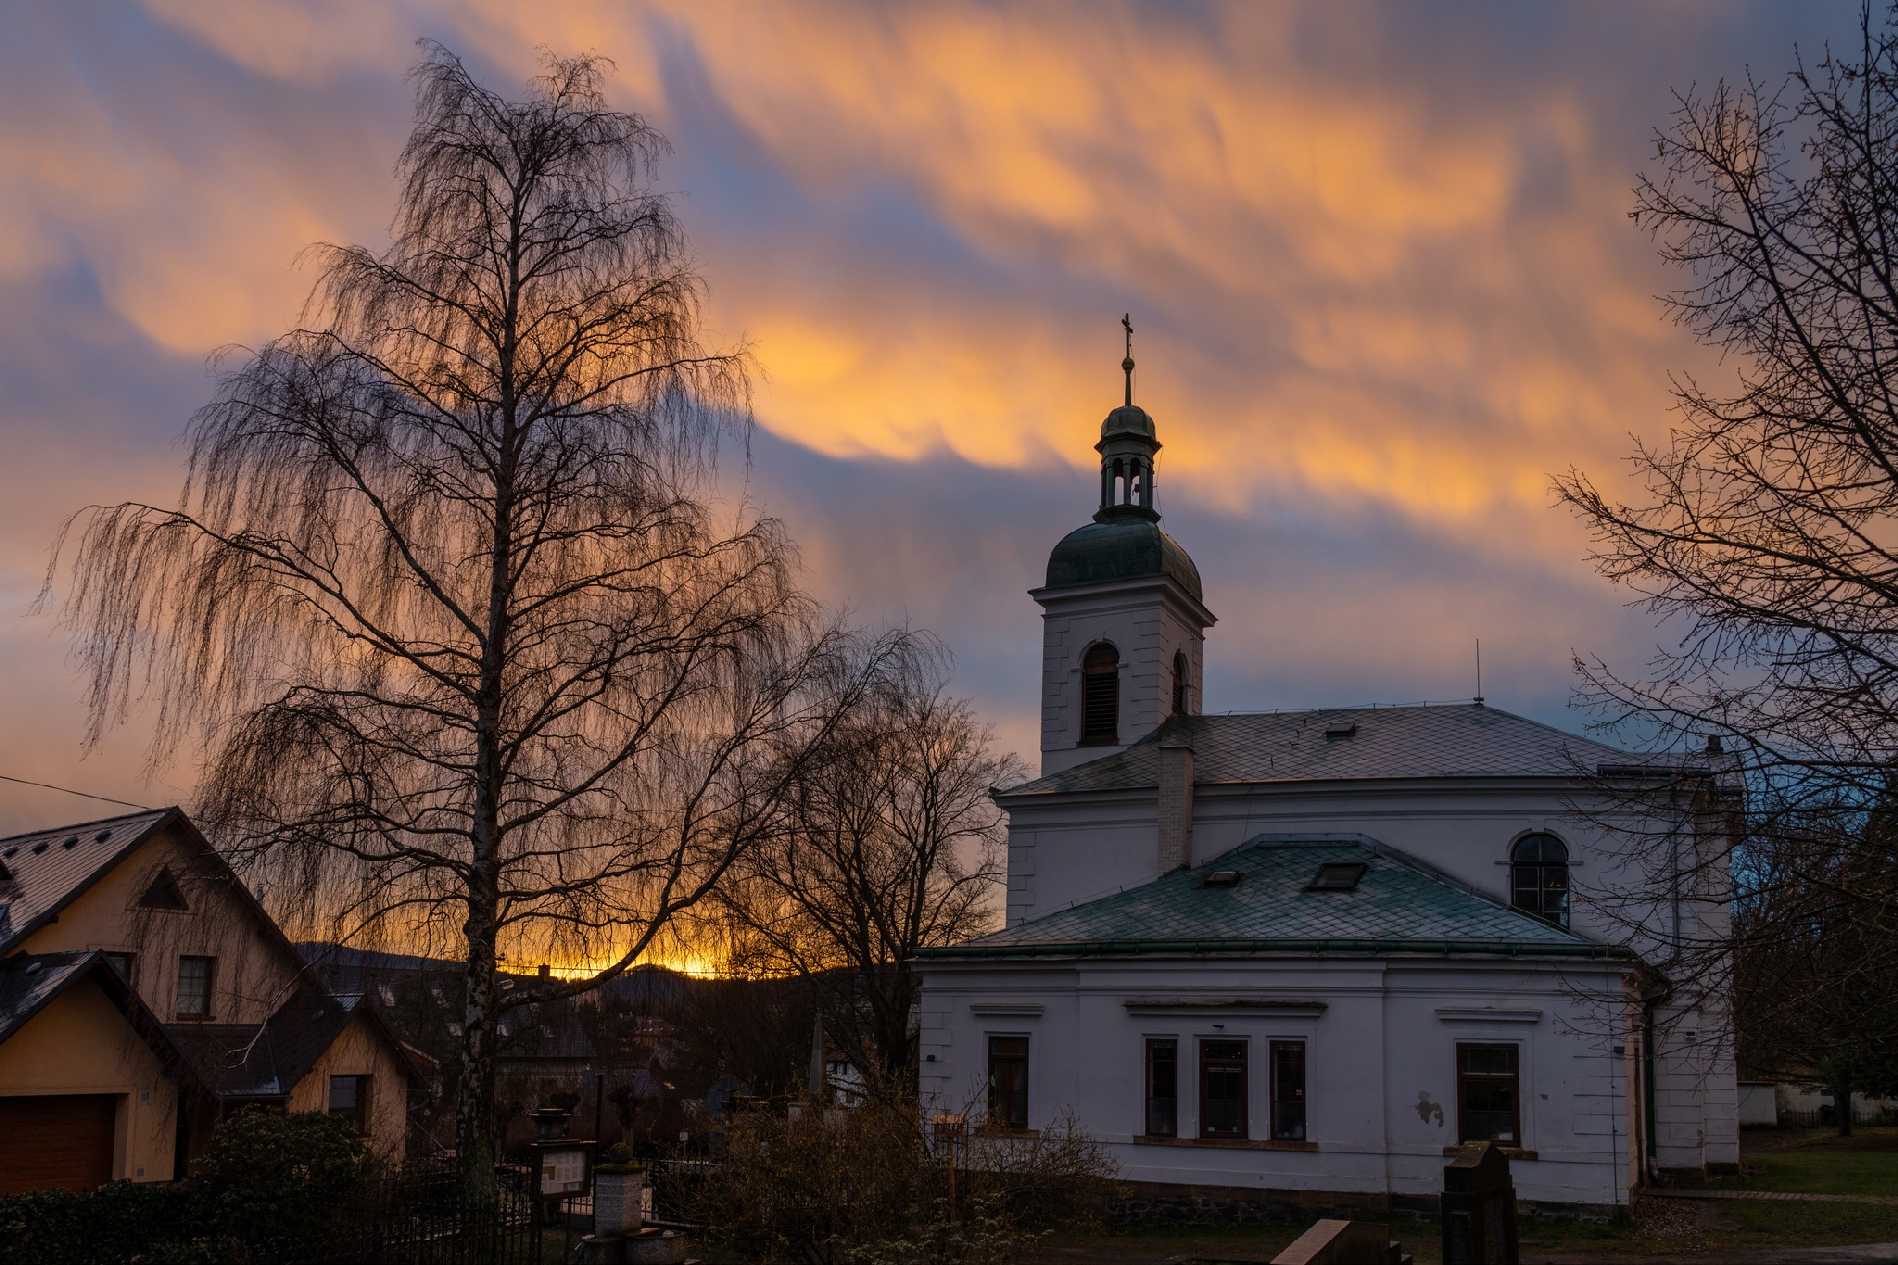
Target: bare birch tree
472, 663
1765, 534
895, 847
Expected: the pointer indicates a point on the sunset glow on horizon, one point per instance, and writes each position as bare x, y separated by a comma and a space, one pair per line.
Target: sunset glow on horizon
1378, 260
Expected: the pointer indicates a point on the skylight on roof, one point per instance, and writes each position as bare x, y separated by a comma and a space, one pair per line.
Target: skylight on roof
1221, 878
1337, 876
1343, 729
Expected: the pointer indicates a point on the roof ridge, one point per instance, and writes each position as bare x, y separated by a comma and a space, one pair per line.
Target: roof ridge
81, 825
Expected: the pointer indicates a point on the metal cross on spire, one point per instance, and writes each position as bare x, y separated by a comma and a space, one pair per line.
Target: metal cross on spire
1127, 365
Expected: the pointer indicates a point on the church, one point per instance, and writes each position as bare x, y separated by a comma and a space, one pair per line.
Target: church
1301, 957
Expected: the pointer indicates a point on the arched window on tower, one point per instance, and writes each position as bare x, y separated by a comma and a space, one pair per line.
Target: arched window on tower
1179, 684
1100, 696
1538, 877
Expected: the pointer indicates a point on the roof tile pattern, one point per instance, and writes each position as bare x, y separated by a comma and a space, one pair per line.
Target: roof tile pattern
1463, 740
1399, 901
46, 867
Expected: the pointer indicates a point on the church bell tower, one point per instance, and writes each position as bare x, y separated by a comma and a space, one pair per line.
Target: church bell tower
1123, 619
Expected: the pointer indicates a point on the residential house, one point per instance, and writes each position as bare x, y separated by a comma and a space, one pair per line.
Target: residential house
144, 993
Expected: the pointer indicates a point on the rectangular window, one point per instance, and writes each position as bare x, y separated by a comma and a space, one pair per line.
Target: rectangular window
1288, 1091
195, 976
1488, 1097
1163, 1087
1222, 1089
121, 963
1008, 1082
349, 1097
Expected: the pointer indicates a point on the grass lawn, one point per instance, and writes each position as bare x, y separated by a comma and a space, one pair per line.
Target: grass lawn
1818, 1161
1663, 1231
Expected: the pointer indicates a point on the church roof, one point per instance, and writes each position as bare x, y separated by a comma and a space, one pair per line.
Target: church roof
1344, 744
1121, 547
1261, 897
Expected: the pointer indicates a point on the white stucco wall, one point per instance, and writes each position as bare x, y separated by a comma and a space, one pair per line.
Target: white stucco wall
1380, 1064
1076, 848
1147, 622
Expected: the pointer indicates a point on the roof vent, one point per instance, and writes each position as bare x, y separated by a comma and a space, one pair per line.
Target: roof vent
1337, 876
70, 841
1343, 729
10, 853
6, 875
40, 847
102, 836
1221, 878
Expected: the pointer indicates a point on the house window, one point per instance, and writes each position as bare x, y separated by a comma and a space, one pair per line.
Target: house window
195, 976
1008, 1082
1488, 1097
121, 964
163, 893
1163, 1087
1179, 684
1100, 696
349, 1097
1538, 877
1288, 1091
1222, 1089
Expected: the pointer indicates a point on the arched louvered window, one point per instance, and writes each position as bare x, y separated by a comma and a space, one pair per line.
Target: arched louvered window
1100, 696
1179, 684
1538, 877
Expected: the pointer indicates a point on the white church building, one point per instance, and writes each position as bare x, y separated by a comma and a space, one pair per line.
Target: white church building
1305, 956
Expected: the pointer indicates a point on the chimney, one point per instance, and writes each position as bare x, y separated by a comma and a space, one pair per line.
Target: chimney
546, 971
1176, 805
1714, 745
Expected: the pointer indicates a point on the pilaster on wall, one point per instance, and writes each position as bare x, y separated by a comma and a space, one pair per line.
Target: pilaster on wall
1696, 1100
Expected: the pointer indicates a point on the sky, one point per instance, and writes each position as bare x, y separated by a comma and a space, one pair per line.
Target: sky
1378, 260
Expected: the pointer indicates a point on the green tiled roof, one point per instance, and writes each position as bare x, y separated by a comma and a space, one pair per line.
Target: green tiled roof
1399, 905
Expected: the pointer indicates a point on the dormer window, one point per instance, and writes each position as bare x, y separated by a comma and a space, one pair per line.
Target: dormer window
1100, 696
1538, 878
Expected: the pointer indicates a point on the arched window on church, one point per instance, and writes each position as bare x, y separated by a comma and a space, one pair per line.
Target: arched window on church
1538, 877
1100, 696
1179, 684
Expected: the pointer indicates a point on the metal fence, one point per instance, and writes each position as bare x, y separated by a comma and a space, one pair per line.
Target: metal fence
425, 1214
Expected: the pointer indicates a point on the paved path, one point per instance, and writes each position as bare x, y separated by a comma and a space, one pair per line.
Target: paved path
1788, 1196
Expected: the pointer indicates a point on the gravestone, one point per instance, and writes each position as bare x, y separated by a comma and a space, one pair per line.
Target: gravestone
1479, 1209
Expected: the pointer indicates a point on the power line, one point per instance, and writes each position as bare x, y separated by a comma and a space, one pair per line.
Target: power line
123, 803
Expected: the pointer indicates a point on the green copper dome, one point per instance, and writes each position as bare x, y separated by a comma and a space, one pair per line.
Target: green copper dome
1128, 419
1121, 547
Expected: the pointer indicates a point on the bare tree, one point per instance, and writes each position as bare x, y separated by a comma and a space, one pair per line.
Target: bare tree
1765, 537
472, 662
896, 847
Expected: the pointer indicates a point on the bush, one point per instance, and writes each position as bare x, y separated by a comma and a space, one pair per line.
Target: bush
860, 1187
280, 1181
119, 1222
271, 1187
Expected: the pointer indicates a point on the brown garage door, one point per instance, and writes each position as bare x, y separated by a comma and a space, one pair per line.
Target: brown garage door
63, 1140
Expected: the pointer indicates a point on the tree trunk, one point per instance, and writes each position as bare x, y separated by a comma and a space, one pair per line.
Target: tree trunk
474, 1096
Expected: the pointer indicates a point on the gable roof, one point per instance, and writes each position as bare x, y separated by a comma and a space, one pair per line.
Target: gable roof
52, 868
1448, 740
247, 1060
1400, 904
49, 875
29, 982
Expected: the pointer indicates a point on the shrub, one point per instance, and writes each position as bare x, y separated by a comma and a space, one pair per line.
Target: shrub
271, 1187
860, 1187
281, 1182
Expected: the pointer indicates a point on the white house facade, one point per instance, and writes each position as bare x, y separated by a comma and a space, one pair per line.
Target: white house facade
1304, 955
